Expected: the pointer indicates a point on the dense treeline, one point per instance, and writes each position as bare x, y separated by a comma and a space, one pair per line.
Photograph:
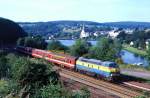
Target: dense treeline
129, 24
41, 28
139, 38
34, 42
56, 45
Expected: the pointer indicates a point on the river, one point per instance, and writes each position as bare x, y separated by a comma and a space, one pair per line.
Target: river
127, 57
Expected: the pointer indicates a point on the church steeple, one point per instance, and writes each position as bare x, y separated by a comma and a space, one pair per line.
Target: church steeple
84, 34
83, 28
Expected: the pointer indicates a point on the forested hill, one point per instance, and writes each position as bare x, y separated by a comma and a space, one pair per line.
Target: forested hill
10, 31
53, 27
124, 24
63, 22
128, 24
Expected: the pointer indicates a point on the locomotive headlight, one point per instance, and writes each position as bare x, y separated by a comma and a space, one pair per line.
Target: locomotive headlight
114, 74
111, 74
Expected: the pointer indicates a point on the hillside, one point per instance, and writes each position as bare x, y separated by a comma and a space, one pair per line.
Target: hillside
129, 24
10, 31
63, 28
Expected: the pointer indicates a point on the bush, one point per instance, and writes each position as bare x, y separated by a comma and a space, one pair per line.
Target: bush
3, 88
28, 73
4, 67
82, 93
51, 91
119, 61
56, 45
7, 87
146, 94
80, 48
35, 42
106, 49
57, 91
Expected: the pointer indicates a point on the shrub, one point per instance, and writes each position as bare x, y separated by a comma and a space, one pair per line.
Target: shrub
119, 61
56, 45
4, 67
7, 87
80, 48
51, 91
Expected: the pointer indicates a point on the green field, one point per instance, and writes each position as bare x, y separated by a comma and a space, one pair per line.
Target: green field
135, 50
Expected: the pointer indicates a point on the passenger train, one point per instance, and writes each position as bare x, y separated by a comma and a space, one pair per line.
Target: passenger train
101, 69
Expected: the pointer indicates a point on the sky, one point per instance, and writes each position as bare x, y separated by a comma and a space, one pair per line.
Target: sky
88, 10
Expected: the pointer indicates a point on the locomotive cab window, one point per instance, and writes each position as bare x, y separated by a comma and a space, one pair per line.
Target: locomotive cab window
113, 65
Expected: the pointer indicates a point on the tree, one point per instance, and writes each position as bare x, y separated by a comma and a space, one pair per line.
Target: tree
34, 41
80, 48
148, 53
7, 87
51, 91
4, 67
56, 45
29, 73
122, 35
32, 75
106, 49
118, 46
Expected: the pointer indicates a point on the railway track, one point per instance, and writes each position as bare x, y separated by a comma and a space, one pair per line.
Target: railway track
115, 89
95, 93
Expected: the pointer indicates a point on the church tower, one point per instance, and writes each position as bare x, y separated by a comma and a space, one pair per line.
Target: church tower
83, 34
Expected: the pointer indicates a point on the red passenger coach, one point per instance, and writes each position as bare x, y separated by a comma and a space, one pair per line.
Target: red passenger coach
38, 53
62, 59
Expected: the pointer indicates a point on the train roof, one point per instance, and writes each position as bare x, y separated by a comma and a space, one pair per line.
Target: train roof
64, 55
99, 62
57, 54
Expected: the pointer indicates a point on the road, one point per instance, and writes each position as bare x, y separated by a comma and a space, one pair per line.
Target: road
139, 74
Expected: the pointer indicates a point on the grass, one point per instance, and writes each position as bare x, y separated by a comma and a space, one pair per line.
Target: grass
133, 67
145, 94
135, 50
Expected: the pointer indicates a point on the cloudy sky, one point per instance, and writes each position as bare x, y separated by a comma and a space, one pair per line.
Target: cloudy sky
91, 10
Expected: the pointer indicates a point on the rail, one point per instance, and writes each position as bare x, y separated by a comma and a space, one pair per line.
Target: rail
108, 87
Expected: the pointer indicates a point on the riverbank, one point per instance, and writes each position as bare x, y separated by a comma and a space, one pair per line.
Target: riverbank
136, 73
135, 50
134, 67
